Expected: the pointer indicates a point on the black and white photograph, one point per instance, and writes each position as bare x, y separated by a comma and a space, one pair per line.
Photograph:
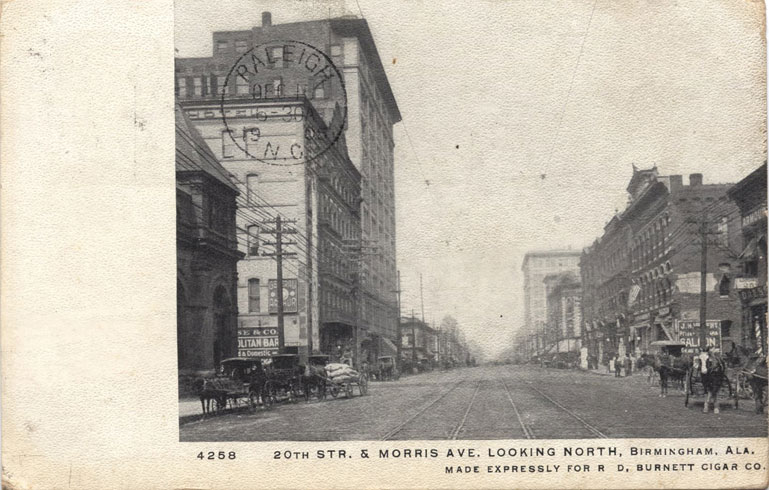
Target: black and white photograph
491, 229
365, 244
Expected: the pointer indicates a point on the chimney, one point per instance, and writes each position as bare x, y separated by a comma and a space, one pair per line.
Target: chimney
266, 19
676, 182
695, 179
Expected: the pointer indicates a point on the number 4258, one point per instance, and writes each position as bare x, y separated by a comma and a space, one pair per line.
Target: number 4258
215, 455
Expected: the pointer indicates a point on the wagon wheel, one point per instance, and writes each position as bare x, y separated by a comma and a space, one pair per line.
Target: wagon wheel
253, 400
743, 386
348, 390
333, 390
297, 391
268, 395
363, 385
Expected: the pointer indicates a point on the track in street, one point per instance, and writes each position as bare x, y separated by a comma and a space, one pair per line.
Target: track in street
485, 403
401, 426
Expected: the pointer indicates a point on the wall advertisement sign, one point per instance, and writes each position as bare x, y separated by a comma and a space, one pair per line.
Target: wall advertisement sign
689, 334
257, 342
290, 295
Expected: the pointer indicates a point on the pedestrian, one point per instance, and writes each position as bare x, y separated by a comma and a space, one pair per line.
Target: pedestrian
628, 365
617, 366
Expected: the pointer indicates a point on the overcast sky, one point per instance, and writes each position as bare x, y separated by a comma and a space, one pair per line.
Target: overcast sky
524, 118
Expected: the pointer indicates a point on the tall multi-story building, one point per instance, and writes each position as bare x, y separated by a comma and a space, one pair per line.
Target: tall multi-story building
642, 278
317, 201
334, 64
536, 266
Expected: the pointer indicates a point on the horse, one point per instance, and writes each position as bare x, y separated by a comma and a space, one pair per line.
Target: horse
315, 379
645, 363
210, 398
711, 370
753, 366
670, 368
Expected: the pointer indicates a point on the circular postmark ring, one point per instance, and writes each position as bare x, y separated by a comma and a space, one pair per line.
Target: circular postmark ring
326, 135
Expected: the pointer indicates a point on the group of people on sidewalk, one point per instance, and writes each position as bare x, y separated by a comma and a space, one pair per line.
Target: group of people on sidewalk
618, 363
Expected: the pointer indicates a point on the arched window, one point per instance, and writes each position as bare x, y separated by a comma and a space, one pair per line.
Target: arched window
724, 286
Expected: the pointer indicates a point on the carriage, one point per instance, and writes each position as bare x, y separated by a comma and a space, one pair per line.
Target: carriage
751, 377
342, 379
314, 380
283, 379
386, 369
236, 384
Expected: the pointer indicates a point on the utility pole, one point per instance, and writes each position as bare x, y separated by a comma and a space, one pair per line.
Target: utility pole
357, 248
703, 281
421, 297
413, 342
399, 340
279, 255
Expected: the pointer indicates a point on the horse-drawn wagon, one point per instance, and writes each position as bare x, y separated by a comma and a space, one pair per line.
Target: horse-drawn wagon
707, 378
751, 376
238, 383
386, 369
341, 378
283, 379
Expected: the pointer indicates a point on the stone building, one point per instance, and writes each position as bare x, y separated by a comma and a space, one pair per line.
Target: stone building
206, 255
641, 279
536, 266
365, 97
750, 196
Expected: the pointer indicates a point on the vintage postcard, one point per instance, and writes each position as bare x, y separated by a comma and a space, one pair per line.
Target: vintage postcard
359, 244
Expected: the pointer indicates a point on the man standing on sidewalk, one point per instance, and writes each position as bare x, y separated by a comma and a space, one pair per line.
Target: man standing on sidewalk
617, 366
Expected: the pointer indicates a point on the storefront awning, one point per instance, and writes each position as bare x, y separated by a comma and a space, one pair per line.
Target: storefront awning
751, 250
388, 347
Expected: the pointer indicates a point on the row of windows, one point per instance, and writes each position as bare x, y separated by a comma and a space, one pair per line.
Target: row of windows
651, 242
224, 46
338, 299
203, 86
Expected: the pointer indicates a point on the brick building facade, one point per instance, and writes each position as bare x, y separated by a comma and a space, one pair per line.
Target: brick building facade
642, 278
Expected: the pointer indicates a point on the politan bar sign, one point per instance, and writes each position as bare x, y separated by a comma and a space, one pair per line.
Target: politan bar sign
257, 342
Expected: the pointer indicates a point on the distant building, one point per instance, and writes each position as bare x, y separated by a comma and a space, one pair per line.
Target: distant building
750, 196
367, 99
536, 266
563, 329
418, 345
641, 279
206, 255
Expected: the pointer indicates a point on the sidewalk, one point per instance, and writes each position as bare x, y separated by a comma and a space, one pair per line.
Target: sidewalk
190, 410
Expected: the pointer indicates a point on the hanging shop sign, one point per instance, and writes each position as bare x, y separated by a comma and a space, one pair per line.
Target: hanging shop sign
753, 293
